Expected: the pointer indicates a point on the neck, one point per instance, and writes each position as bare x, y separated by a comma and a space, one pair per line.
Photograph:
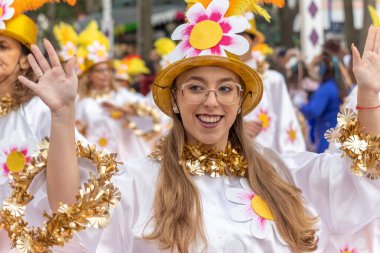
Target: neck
6, 86
220, 146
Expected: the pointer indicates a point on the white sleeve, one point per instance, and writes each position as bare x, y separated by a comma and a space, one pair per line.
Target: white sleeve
344, 202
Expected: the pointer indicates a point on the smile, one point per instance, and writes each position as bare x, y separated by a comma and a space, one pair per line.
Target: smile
209, 120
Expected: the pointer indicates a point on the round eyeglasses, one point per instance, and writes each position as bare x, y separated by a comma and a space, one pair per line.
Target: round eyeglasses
227, 93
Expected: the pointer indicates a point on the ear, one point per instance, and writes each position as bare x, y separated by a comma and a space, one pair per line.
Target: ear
24, 63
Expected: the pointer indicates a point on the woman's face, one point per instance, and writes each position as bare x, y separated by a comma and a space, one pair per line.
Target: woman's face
101, 76
12, 61
209, 119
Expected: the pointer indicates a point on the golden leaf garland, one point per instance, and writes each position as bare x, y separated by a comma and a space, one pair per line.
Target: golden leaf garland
363, 149
92, 208
144, 110
7, 104
199, 162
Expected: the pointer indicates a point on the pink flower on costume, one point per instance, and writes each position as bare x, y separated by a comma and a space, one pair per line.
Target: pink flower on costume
6, 12
264, 118
251, 208
209, 32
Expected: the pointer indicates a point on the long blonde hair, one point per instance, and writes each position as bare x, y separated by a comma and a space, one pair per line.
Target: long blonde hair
177, 220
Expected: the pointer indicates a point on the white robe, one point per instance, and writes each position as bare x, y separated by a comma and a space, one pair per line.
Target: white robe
282, 132
100, 125
25, 128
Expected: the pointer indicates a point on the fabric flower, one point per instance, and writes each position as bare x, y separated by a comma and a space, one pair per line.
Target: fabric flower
357, 247
15, 153
252, 208
355, 144
332, 135
68, 51
97, 52
291, 134
346, 117
102, 139
6, 12
264, 118
209, 32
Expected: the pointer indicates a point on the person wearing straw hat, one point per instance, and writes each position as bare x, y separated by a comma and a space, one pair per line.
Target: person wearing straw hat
24, 117
207, 188
102, 109
273, 123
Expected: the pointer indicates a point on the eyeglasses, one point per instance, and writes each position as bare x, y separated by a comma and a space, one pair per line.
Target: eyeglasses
227, 94
103, 71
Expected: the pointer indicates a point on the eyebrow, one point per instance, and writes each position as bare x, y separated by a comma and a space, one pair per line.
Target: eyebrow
201, 79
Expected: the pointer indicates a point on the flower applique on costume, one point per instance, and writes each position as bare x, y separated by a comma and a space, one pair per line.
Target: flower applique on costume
264, 117
252, 208
6, 12
291, 134
14, 155
358, 247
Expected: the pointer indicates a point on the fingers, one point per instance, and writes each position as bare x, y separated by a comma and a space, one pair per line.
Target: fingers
369, 44
53, 57
31, 85
69, 67
376, 43
35, 67
40, 58
355, 56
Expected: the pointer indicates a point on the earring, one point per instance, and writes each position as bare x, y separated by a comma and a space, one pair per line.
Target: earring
239, 111
175, 110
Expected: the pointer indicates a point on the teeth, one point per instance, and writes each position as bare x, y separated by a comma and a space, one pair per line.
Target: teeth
209, 119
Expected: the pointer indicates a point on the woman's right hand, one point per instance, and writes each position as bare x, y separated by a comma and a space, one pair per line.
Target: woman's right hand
57, 85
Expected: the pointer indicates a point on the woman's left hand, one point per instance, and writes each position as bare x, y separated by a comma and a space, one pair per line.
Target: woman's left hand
57, 86
367, 67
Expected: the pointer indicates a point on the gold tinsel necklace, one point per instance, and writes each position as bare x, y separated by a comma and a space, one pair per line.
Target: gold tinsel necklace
7, 104
198, 161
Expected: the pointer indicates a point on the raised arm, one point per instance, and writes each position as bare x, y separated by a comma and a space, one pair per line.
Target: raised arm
367, 72
57, 87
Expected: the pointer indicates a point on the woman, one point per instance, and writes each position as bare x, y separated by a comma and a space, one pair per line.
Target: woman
255, 205
325, 102
103, 110
24, 119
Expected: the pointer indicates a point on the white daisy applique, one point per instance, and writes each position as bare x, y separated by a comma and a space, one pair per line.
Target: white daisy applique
252, 208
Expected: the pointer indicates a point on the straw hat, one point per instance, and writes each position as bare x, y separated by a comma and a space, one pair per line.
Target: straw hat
18, 26
211, 38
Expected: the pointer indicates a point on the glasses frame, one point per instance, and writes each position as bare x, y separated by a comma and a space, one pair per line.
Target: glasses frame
208, 91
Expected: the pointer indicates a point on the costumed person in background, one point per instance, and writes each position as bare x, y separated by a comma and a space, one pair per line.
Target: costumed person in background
109, 116
138, 72
24, 121
274, 122
324, 104
121, 74
209, 189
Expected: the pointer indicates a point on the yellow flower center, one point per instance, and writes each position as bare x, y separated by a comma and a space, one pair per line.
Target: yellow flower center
103, 141
116, 114
71, 52
205, 35
16, 161
261, 208
264, 120
101, 53
347, 251
292, 135
1, 11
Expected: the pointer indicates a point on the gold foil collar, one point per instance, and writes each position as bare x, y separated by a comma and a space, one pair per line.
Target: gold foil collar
7, 104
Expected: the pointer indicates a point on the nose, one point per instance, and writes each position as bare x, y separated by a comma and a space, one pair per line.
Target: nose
211, 100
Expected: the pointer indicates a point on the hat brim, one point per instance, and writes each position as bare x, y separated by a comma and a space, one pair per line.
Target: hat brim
252, 84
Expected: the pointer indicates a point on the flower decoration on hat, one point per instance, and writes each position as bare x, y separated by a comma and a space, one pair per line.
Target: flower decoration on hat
67, 38
136, 65
121, 72
213, 28
11, 8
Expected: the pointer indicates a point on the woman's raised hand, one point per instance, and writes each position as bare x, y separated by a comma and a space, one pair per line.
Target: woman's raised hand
367, 67
57, 85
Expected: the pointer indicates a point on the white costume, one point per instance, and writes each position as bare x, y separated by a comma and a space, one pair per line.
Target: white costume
344, 203
281, 129
110, 133
22, 130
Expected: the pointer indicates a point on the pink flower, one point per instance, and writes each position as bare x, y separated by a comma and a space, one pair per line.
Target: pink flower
6, 12
209, 32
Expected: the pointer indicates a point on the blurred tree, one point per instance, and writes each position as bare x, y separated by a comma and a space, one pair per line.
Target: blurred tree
366, 22
287, 16
349, 28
